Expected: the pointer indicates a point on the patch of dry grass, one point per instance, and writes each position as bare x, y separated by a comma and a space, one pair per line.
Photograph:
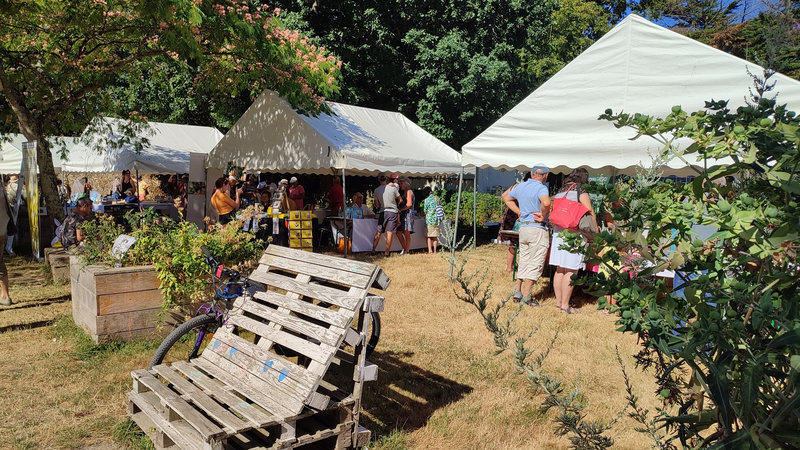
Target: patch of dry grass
440, 384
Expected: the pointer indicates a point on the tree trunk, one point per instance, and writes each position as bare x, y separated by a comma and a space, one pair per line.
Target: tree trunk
31, 127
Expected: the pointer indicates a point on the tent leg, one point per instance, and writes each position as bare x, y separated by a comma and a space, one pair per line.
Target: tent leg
475, 209
139, 200
455, 225
344, 211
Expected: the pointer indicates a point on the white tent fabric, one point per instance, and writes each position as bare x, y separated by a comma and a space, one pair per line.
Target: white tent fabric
271, 136
166, 151
636, 67
11, 151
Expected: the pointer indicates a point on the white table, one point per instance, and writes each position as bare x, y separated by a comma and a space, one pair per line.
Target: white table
364, 231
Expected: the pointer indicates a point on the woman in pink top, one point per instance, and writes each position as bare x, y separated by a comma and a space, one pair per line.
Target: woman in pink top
296, 193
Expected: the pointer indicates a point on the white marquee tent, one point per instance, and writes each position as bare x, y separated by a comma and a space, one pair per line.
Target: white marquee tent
167, 149
271, 136
11, 151
636, 67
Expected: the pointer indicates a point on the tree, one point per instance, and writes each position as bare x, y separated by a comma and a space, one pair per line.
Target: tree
725, 343
59, 59
692, 14
452, 66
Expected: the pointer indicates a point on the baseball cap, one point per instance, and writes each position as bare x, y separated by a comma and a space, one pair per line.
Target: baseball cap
539, 168
394, 176
284, 181
293, 180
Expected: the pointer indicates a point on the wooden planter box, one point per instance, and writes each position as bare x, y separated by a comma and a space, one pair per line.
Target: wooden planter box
116, 303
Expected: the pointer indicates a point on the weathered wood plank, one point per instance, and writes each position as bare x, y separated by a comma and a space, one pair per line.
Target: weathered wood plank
217, 390
240, 380
193, 393
325, 294
125, 279
128, 301
84, 308
334, 262
279, 364
127, 321
335, 275
293, 323
205, 427
327, 315
180, 432
317, 352
282, 389
381, 280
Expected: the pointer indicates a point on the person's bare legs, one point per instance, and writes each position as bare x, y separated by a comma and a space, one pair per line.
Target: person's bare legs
563, 287
430, 244
376, 240
389, 237
401, 237
510, 258
406, 241
435, 244
557, 286
5, 298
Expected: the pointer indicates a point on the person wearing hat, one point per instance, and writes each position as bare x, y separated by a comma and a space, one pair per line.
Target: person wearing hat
391, 215
532, 205
296, 193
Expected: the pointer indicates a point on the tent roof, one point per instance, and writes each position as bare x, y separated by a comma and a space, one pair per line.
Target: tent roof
167, 150
271, 136
636, 67
11, 151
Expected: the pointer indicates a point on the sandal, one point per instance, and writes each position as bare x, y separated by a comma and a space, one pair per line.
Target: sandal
570, 310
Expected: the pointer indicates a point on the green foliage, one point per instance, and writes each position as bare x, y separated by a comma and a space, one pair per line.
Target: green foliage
452, 66
489, 207
694, 14
99, 236
174, 249
567, 401
724, 352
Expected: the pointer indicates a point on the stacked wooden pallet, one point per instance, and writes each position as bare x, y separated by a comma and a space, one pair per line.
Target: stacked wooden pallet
268, 391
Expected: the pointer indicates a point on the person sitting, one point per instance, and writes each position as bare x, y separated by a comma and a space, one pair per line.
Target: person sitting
127, 183
130, 197
71, 234
357, 209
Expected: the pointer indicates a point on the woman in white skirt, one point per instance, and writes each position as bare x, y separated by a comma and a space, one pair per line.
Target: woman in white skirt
568, 264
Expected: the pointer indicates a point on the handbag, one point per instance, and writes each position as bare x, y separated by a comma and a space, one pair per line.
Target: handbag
439, 212
587, 227
567, 213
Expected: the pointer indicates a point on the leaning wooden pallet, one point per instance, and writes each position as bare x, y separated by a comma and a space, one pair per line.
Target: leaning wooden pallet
273, 376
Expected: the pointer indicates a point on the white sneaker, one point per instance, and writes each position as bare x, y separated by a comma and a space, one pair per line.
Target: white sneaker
402, 252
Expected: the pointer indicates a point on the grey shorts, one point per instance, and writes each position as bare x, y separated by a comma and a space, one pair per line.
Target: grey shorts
390, 222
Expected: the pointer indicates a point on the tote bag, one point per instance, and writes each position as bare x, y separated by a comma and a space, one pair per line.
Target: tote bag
567, 213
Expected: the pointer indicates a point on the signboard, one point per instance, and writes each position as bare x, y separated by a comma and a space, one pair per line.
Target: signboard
30, 165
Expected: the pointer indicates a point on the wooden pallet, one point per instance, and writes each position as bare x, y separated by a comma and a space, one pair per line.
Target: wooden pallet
269, 391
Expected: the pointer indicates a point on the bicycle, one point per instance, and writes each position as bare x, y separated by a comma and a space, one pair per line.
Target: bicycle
228, 285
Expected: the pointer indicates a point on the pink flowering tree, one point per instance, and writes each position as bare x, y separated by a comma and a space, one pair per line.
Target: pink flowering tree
58, 57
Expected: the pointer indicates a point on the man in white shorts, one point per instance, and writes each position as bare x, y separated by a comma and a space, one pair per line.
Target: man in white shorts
534, 238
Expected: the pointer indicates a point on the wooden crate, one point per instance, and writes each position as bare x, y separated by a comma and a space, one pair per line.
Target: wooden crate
293, 383
58, 260
113, 303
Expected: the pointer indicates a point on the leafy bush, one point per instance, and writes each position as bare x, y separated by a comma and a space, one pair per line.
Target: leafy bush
725, 349
174, 248
489, 207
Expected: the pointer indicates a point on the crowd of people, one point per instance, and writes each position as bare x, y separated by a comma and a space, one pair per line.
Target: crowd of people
529, 204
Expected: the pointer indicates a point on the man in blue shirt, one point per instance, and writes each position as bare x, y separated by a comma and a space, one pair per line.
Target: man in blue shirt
534, 238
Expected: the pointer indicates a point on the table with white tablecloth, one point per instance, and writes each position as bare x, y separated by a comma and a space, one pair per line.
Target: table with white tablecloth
364, 231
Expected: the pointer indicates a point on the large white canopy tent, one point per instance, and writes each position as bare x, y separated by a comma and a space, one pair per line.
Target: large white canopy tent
639, 67
271, 136
165, 148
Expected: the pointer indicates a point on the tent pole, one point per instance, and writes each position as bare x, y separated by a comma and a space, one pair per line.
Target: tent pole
455, 225
475, 209
344, 211
138, 200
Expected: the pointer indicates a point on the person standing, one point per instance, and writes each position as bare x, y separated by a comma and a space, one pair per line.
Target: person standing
377, 196
296, 193
336, 196
6, 226
406, 215
143, 188
432, 221
532, 205
222, 202
567, 263
391, 198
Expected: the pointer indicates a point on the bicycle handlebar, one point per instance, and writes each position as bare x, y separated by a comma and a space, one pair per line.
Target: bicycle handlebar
218, 269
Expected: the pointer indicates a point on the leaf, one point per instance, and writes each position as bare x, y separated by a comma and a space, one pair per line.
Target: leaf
789, 339
794, 360
751, 383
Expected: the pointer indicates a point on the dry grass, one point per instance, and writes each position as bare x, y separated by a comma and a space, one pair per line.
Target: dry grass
440, 384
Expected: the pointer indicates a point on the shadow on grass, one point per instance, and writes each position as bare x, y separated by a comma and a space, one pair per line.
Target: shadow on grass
405, 396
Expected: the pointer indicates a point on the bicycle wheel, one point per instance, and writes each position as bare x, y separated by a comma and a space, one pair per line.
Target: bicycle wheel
375, 333
186, 341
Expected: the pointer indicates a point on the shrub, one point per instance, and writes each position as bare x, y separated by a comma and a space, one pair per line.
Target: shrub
725, 350
489, 207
